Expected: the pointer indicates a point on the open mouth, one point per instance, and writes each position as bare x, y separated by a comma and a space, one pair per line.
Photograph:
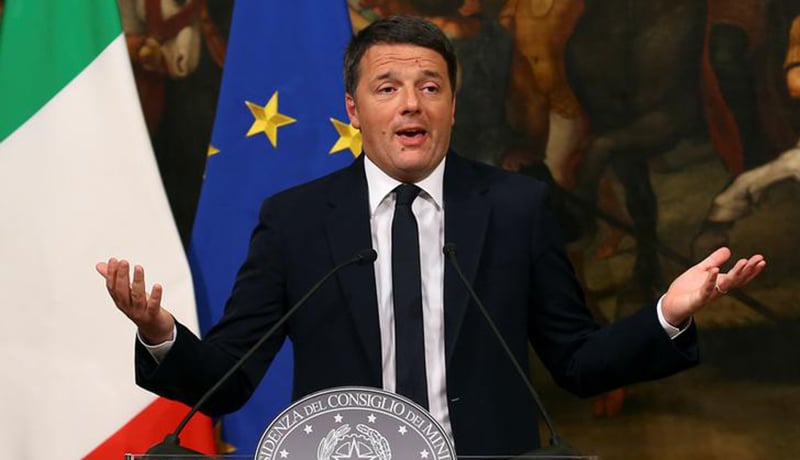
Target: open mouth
411, 134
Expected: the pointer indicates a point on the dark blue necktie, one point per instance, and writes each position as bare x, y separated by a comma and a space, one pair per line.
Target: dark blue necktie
407, 296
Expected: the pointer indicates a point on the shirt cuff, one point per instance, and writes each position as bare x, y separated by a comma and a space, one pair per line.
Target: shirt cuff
671, 330
160, 350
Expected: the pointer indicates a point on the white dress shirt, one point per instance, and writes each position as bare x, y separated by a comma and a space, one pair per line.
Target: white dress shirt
428, 209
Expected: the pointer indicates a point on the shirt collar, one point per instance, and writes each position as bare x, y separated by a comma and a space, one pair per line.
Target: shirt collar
380, 184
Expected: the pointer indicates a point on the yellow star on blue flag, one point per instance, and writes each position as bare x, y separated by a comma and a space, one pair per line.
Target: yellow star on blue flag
349, 138
268, 119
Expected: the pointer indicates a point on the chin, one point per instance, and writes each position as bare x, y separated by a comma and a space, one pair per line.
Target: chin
413, 174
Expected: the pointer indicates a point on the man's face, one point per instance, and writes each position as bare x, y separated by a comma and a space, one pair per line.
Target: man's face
404, 107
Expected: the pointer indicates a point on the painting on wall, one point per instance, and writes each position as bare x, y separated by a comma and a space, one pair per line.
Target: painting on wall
177, 50
667, 128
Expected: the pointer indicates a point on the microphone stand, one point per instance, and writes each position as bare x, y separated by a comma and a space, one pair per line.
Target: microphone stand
171, 444
556, 446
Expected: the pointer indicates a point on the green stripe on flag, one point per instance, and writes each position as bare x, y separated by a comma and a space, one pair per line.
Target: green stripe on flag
44, 44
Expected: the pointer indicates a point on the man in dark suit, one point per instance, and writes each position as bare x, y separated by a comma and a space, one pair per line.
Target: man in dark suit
400, 76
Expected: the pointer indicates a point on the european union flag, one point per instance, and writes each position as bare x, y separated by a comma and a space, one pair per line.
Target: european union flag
280, 121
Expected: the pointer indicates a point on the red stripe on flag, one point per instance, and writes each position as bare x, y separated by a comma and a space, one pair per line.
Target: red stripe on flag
150, 426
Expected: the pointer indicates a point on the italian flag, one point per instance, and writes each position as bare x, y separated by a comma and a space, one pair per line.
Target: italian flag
78, 184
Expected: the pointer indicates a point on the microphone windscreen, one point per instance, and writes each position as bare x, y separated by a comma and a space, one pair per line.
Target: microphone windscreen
367, 256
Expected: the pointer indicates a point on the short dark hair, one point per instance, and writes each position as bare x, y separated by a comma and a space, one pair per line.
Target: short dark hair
397, 30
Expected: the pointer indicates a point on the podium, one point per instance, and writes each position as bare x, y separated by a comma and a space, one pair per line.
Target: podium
357, 422
251, 457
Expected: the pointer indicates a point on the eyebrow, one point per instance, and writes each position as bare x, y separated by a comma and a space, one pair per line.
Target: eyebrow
391, 75
432, 74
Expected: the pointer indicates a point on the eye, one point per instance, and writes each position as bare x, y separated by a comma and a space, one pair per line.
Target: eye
430, 89
386, 89
180, 2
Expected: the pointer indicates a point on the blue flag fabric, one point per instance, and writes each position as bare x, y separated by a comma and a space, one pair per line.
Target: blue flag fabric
280, 115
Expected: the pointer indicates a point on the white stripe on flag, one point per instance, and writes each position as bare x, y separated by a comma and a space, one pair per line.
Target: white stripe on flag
78, 183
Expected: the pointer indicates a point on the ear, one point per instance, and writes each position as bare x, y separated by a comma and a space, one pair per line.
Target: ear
352, 111
453, 114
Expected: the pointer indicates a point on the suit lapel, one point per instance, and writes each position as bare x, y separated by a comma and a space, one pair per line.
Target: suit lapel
348, 229
466, 217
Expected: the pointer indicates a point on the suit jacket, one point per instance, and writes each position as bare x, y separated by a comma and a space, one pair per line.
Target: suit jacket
509, 246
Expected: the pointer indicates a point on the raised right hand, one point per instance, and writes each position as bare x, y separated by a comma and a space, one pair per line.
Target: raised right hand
154, 322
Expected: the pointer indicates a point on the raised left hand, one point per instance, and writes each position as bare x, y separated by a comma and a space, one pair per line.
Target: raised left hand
701, 284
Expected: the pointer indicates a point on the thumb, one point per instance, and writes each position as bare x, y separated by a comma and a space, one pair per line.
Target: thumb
716, 258
102, 268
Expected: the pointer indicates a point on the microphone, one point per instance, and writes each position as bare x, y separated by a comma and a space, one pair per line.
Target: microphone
556, 446
170, 446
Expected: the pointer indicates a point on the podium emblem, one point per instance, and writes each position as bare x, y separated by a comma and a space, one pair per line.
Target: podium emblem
354, 423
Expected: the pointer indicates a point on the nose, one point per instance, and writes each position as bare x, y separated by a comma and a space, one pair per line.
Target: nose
411, 102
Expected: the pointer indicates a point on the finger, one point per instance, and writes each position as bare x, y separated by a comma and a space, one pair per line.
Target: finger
138, 295
750, 265
102, 268
715, 259
709, 288
729, 279
757, 260
756, 269
735, 272
122, 284
111, 276
154, 301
